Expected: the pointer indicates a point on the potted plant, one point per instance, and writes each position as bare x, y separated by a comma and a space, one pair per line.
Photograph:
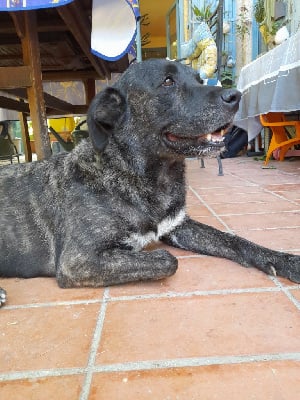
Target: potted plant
268, 26
227, 79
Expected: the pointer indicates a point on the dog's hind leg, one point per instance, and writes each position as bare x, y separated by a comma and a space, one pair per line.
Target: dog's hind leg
204, 239
115, 266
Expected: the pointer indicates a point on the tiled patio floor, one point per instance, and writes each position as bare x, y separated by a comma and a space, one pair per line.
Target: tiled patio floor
215, 330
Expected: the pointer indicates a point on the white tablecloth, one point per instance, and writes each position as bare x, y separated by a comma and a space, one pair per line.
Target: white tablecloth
270, 83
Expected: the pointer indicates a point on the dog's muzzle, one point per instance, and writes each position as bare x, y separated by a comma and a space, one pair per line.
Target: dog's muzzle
207, 145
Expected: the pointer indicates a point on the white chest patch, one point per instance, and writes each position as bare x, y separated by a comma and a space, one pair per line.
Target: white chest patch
137, 241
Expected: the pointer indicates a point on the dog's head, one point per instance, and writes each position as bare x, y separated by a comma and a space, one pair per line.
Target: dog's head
163, 106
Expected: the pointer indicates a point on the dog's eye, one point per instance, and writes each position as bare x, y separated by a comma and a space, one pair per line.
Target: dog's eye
169, 81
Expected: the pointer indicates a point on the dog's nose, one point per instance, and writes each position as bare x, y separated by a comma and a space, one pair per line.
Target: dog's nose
231, 97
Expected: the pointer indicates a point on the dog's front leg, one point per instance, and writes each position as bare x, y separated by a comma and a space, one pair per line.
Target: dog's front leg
114, 266
204, 239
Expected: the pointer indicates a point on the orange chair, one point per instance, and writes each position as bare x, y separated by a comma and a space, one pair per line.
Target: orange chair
276, 121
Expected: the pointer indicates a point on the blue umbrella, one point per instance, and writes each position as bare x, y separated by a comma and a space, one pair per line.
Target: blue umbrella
114, 27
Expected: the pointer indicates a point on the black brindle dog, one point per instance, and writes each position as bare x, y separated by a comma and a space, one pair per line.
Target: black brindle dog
86, 216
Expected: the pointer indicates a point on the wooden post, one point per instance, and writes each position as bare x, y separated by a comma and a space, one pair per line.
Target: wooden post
26, 27
25, 137
90, 90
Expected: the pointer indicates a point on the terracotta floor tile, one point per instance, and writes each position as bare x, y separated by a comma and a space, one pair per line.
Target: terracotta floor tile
277, 239
272, 220
44, 290
212, 221
296, 294
226, 196
199, 274
46, 337
291, 195
236, 189
286, 282
288, 191
212, 183
62, 388
198, 211
264, 178
199, 327
170, 323
260, 176
259, 381
173, 250
191, 199
253, 207
278, 188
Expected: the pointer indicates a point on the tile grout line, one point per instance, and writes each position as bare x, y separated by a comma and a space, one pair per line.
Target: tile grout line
210, 209
53, 304
161, 295
218, 216
196, 362
197, 293
154, 296
286, 292
265, 190
259, 213
40, 373
204, 255
153, 365
272, 228
95, 343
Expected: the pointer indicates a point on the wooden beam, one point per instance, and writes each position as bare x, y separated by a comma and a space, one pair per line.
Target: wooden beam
76, 110
11, 77
57, 104
51, 102
18, 92
11, 104
80, 27
80, 109
31, 57
62, 106
67, 76
49, 25
19, 23
90, 90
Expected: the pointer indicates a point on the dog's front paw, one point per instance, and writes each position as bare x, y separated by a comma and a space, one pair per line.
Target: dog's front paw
289, 267
2, 297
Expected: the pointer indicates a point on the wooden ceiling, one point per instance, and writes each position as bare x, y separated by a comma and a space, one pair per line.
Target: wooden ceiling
64, 37
49, 44
64, 45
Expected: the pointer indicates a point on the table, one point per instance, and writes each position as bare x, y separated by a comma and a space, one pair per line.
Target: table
268, 84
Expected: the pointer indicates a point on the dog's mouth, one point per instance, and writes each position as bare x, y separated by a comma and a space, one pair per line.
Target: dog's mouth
209, 144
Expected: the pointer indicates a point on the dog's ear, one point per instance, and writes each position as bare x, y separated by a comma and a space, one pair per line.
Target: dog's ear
104, 116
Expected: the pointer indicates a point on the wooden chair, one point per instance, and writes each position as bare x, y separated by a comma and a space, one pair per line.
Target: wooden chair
280, 140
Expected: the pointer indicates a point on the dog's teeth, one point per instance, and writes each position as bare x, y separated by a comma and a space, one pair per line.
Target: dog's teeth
222, 132
208, 137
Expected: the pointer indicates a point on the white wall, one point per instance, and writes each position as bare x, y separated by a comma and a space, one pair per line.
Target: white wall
244, 47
